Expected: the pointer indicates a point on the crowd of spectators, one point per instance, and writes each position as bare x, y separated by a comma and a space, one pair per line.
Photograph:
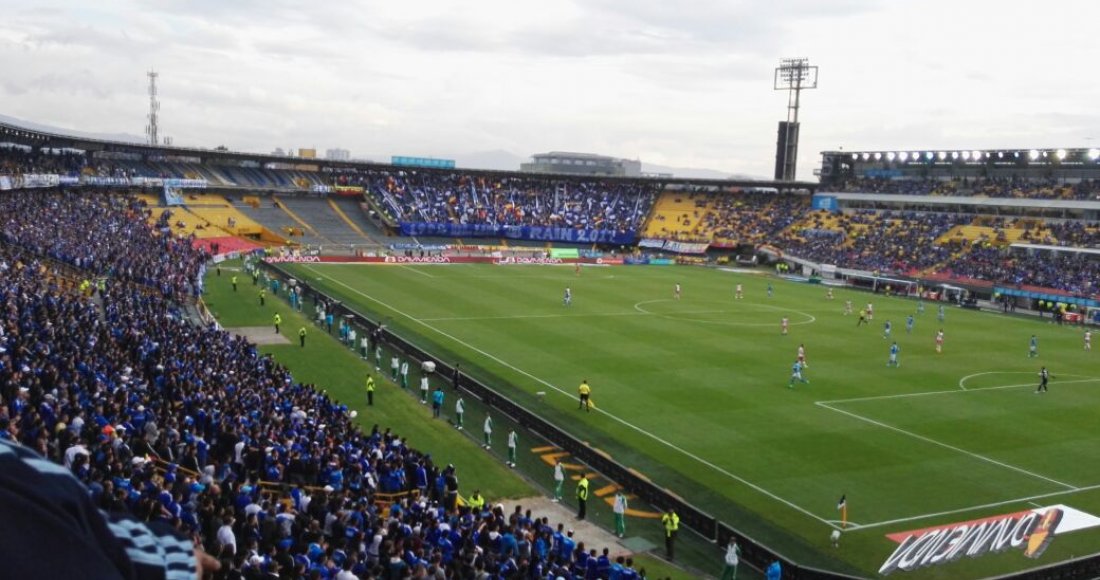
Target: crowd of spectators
1010, 187
885, 242
190, 428
1070, 272
467, 198
752, 218
103, 235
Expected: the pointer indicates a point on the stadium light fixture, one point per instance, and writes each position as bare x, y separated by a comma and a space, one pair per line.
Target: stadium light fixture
1000, 155
942, 155
976, 155
866, 156
1033, 154
878, 156
903, 156
891, 156
966, 155
1061, 154
855, 156
1094, 154
954, 155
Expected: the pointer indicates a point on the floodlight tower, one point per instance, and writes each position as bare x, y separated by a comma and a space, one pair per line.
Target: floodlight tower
792, 75
154, 108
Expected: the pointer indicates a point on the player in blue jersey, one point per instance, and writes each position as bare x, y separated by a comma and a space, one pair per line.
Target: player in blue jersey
909, 322
893, 362
1033, 347
886, 328
941, 314
796, 375
568, 298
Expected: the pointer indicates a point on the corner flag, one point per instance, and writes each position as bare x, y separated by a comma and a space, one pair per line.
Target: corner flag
842, 505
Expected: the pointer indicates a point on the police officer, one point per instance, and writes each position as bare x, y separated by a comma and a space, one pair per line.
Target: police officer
302, 336
233, 281
671, 522
278, 320
370, 390
582, 496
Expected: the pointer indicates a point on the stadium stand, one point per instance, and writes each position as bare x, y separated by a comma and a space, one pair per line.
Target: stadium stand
983, 187
189, 429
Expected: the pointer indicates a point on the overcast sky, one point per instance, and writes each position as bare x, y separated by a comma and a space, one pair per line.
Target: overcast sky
685, 83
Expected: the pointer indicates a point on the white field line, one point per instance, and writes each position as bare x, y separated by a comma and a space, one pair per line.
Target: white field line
1029, 498
949, 391
947, 446
417, 270
522, 316
617, 419
962, 381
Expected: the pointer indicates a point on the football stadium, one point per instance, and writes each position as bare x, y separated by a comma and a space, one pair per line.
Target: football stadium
217, 363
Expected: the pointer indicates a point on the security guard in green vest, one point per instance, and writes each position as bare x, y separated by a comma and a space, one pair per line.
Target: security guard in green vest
233, 281
278, 320
582, 496
302, 336
370, 390
263, 294
671, 522
476, 502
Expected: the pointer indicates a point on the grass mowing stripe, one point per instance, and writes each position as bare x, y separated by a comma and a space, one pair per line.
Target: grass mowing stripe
619, 420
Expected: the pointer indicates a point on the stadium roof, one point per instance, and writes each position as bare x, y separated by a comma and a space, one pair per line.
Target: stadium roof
12, 133
954, 200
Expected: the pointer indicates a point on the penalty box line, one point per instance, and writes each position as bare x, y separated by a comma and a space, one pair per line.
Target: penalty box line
1069, 488
615, 418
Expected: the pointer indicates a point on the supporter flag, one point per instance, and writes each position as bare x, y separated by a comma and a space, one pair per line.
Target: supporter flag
842, 506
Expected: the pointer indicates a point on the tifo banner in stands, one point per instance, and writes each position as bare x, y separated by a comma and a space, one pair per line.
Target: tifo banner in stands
35, 180
517, 233
348, 190
451, 260
825, 202
674, 246
1031, 531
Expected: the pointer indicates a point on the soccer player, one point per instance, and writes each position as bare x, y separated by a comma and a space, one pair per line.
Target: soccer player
847, 308
568, 298
676, 291
620, 506
739, 293
886, 328
870, 311
783, 325
802, 356
796, 375
940, 314
584, 392
862, 318
577, 269
1088, 340
460, 408
405, 374
424, 389
1033, 347
829, 294
437, 401
909, 322
770, 291
378, 358
920, 306
559, 479
513, 442
893, 362
939, 341
487, 430
1044, 376
395, 366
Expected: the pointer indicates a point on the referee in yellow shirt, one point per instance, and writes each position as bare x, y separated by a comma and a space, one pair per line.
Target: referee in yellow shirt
585, 392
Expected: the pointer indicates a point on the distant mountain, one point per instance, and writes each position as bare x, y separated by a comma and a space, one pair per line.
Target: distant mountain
123, 137
694, 173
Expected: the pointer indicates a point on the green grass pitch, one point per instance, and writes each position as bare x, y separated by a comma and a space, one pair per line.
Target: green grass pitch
694, 394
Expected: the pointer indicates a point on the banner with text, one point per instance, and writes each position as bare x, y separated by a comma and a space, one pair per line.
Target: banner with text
517, 233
